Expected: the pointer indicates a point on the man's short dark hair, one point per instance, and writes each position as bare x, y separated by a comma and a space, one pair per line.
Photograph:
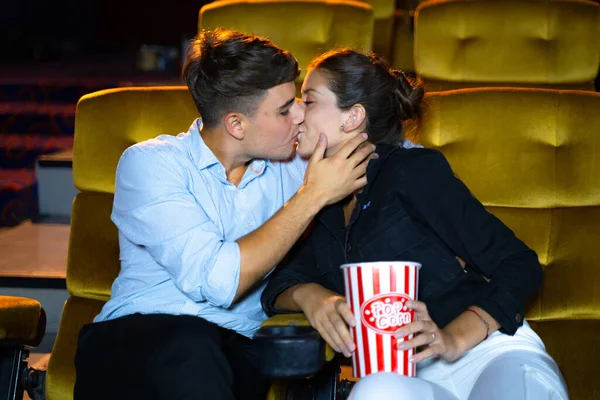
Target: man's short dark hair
229, 71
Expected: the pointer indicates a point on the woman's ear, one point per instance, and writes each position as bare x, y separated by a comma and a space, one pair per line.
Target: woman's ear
356, 117
234, 125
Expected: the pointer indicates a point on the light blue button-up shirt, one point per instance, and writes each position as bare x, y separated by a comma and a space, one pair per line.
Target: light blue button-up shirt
179, 218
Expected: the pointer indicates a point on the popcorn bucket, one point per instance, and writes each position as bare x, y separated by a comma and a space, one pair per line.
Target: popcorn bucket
377, 293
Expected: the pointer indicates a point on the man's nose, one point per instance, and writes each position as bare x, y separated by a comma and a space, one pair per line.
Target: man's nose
299, 114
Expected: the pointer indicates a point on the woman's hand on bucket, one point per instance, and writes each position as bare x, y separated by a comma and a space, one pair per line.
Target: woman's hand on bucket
434, 341
329, 314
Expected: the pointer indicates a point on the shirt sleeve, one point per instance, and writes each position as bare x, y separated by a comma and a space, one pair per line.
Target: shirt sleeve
298, 167
154, 208
446, 205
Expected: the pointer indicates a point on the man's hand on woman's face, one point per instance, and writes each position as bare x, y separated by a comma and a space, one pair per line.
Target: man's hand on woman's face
333, 178
330, 315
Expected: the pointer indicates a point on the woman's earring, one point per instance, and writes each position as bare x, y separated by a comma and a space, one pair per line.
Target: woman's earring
342, 128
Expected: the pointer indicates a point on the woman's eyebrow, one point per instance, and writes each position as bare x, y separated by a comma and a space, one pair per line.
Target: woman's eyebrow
306, 91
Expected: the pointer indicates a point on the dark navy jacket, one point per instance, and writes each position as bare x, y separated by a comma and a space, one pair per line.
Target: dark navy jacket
415, 209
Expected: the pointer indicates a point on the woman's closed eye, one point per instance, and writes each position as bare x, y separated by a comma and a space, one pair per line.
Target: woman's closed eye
308, 102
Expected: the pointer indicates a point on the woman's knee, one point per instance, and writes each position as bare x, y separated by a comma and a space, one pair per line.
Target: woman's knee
520, 376
391, 386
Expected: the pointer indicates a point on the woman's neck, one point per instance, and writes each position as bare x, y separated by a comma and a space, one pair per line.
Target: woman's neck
347, 137
348, 207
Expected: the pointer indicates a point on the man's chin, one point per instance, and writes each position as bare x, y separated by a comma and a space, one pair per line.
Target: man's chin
303, 151
283, 155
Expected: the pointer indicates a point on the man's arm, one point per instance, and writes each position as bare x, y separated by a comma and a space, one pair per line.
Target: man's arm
154, 208
327, 180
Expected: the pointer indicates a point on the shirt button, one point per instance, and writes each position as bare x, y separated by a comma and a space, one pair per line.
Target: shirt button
518, 318
348, 248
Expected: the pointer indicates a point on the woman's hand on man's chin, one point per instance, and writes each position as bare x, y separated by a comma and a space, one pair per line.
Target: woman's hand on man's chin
329, 314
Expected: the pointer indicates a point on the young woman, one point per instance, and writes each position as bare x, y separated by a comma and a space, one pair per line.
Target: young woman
470, 326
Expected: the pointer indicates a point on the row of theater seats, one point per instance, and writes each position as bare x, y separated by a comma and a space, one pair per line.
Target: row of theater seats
457, 43
511, 105
394, 32
529, 154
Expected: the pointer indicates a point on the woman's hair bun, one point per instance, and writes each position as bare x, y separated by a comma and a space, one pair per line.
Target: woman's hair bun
409, 95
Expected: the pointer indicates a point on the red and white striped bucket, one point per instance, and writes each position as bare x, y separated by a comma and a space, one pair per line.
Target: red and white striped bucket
376, 293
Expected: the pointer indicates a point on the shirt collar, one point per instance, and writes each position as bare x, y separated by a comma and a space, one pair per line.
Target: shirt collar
204, 157
201, 154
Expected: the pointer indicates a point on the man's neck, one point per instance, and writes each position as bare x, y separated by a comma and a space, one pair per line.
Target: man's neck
227, 151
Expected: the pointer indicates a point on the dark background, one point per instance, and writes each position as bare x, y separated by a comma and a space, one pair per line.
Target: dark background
39, 30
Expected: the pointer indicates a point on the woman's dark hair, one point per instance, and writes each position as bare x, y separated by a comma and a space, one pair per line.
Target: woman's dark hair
389, 97
228, 71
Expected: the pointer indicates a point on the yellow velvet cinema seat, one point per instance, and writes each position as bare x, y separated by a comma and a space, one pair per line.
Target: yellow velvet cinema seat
106, 123
532, 157
22, 325
403, 40
393, 32
522, 43
383, 26
403, 35
306, 28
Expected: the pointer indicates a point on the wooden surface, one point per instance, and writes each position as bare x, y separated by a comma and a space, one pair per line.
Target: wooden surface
34, 251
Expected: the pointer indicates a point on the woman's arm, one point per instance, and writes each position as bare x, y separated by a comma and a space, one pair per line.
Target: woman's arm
470, 328
444, 203
299, 267
450, 343
298, 286
327, 311
285, 301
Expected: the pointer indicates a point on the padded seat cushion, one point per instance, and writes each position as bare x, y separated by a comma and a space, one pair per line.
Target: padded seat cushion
432, 85
530, 156
109, 121
307, 28
383, 26
93, 253
22, 321
575, 346
60, 377
511, 41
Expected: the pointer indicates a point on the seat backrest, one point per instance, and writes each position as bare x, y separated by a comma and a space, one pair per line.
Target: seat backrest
106, 123
383, 26
532, 157
306, 28
529, 43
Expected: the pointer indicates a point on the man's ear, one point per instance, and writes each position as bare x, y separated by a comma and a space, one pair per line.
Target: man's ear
234, 125
356, 117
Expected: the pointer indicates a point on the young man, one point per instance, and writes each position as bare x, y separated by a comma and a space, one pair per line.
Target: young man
202, 222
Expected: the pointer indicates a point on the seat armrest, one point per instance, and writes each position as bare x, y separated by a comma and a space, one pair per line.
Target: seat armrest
291, 347
22, 321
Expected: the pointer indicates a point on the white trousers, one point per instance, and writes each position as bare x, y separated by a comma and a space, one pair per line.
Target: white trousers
502, 367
